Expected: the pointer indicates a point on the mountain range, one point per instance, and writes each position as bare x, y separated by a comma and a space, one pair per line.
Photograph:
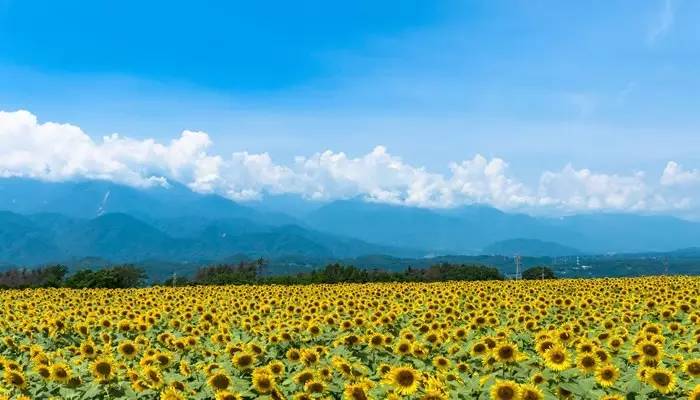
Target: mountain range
43, 222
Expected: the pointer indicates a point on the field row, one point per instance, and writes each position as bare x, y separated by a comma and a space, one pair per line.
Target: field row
580, 339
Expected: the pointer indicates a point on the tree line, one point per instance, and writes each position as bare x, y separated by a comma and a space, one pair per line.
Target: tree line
116, 277
252, 272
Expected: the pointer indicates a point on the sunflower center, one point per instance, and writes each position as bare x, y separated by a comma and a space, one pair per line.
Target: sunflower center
220, 381
505, 393
103, 368
16, 379
694, 368
558, 357
316, 387
358, 394
530, 395
245, 360
661, 378
405, 378
264, 383
650, 350
505, 352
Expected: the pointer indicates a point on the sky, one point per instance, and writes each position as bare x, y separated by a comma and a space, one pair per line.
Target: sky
538, 106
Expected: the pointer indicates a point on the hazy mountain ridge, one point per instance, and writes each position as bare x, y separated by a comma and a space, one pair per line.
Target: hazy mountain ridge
468, 230
530, 247
37, 239
48, 222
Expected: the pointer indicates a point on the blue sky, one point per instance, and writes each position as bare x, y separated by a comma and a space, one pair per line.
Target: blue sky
609, 86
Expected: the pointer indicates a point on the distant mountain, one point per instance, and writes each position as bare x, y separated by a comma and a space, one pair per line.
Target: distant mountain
53, 220
290, 204
689, 252
464, 230
469, 229
118, 237
90, 199
626, 233
529, 247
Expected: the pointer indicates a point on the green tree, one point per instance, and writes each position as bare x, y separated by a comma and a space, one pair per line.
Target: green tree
540, 272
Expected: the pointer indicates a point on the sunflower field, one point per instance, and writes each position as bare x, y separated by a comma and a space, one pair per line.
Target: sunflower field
635, 338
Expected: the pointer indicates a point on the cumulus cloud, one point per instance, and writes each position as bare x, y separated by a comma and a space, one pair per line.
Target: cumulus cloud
59, 152
675, 175
574, 189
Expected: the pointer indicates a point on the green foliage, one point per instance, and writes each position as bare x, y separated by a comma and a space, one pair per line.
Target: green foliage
538, 273
248, 273
125, 276
229, 274
51, 276
453, 272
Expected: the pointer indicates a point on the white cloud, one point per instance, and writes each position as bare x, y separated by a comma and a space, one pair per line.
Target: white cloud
58, 152
582, 189
486, 181
675, 175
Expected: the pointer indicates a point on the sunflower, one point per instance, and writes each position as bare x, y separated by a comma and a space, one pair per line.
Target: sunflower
303, 376
441, 362
586, 363
376, 340
505, 353
309, 357
606, 375
171, 394
276, 367
404, 379
264, 382
60, 372
244, 360
612, 397
434, 395
127, 349
87, 350
153, 376
355, 391
505, 390
226, 395
530, 392
403, 347
661, 379
478, 349
163, 359
537, 379
650, 350
314, 386
15, 378
103, 369
544, 344
695, 393
556, 358
692, 367
184, 368
219, 381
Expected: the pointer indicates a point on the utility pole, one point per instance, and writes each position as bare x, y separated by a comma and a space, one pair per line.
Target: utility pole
174, 277
517, 266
